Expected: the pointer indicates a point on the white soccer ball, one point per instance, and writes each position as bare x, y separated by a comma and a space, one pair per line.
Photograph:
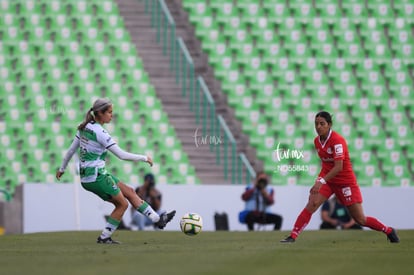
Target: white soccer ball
191, 224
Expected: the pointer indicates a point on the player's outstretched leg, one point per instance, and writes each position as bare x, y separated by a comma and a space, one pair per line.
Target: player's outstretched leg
164, 219
392, 236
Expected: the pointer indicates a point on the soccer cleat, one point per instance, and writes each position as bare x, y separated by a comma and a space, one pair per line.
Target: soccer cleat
107, 241
392, 237
164, 219
288, 240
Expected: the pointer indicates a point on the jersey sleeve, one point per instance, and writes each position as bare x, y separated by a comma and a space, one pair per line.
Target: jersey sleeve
121, 154
339, 148
104, 138
69, 154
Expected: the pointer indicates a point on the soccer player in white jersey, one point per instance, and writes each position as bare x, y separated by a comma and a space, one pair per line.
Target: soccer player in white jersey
94, 141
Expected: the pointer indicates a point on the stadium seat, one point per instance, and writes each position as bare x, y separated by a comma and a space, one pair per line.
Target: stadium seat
381, 10
355, 10
303, 10
350, 57
404, 9
277, 11
329, 11
59, 59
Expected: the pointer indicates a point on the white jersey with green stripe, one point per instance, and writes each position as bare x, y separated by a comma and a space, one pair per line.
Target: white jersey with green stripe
94, 144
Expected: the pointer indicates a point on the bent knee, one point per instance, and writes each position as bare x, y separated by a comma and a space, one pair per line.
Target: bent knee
121, 204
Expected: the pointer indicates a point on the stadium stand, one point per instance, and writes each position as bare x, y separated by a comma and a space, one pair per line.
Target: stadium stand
56, 57
281, 61
278, 62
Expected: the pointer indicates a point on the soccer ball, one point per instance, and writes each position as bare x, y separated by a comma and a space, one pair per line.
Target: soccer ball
191, 224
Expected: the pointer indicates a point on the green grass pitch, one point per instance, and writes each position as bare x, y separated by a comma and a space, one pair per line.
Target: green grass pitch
171, 252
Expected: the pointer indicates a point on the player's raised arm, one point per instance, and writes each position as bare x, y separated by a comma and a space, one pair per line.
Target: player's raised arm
69, 154
123, 155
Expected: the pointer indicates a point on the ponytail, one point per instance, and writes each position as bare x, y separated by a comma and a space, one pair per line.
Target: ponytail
100, 105
88, 118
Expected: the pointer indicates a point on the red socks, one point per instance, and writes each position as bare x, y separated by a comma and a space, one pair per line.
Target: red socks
375, 224
301, 222
305, 216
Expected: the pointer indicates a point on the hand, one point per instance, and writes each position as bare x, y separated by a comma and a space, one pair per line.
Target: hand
59, 174
348, 224
338, 223
149, 160
257, 186
315, 188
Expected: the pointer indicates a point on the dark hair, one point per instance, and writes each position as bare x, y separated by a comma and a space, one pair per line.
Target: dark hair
149, 177
262, 180
327, 116
100, 105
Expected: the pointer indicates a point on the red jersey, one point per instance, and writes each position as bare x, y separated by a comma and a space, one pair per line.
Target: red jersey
335, 148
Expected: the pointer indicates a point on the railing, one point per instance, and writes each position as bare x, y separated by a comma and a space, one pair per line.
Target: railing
249, 174
228, 141
200, 100
184, 65
162, 20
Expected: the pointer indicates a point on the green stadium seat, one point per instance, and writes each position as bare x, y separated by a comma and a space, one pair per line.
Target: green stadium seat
368, 72
277, 11
316, 82
348, 46
203, 24
195, 7
106, 8
370, 176
404, 9
60, 58
6, 6
381, 10
328, 10
259, 132
303, 10
396, 171
374, 39
272, 52
235, 93
53, 7
232, 78
355, 10
250, 12
342, 25
321, 41
398, 79
266, 147
399, 31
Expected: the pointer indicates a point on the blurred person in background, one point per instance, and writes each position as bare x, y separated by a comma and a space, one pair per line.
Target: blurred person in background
153, 196
258, 198
335, 216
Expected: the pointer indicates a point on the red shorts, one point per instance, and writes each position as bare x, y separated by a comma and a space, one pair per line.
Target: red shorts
347, 194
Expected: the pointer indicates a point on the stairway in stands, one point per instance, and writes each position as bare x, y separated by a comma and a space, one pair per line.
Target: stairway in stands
138, 23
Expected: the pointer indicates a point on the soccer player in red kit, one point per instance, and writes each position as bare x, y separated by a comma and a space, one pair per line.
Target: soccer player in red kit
336, 177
